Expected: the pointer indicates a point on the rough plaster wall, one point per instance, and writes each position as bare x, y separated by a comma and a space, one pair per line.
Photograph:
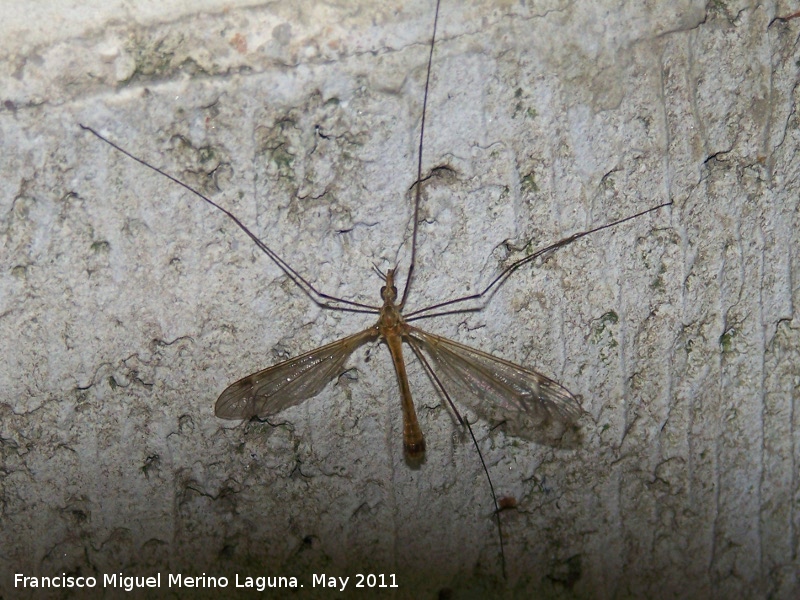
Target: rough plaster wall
127, 305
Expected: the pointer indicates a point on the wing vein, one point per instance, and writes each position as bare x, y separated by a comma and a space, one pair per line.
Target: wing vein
498, 389
290, 382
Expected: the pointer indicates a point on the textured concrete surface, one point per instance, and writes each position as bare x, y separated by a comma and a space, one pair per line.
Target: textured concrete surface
126, 305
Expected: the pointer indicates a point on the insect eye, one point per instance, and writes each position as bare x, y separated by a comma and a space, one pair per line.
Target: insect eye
383, 289
394, 290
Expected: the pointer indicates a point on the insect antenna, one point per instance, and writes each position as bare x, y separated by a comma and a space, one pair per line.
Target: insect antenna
319, 298
380, 273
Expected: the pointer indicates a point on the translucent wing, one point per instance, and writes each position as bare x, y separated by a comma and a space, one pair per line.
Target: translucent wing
498, 389
288, 383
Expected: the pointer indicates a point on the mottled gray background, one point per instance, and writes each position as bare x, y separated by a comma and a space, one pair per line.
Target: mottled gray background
126, 305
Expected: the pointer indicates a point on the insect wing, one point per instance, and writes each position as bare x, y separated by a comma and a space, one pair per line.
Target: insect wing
498, 389
288, 383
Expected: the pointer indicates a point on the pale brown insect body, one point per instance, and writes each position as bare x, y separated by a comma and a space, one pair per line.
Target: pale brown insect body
512, 390
271, 390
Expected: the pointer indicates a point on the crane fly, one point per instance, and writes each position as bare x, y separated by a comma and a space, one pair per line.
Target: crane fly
516, 390
489, 385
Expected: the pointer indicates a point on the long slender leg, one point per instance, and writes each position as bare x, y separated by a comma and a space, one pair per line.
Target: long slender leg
506, 273
465, 422
418, 192
321, 299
